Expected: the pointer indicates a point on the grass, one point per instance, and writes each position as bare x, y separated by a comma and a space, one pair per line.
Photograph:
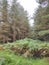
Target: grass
9, 58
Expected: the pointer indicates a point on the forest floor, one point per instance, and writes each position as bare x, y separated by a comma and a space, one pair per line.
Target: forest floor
7, 57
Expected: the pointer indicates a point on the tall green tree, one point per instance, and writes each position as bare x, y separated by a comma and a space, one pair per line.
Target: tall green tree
41, 24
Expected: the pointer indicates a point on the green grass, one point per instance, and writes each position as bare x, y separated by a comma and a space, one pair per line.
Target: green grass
11, 59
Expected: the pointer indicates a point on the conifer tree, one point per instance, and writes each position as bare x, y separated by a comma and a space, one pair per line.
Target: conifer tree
41, 24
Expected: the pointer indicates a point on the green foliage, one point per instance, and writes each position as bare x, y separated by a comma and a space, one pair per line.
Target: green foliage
8, 57
28, 47
46, 16
41, 24
11, 59
41, 33
27, 42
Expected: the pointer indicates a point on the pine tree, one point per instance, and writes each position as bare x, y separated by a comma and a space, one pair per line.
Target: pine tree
4, 10
14, 24
41, 24
19, 18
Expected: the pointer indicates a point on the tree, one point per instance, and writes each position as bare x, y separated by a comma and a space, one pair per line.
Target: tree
41, 24
4, 10
19, 21
14, 22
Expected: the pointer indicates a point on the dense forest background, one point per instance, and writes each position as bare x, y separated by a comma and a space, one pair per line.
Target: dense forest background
14, 22
24, 44
41, 21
